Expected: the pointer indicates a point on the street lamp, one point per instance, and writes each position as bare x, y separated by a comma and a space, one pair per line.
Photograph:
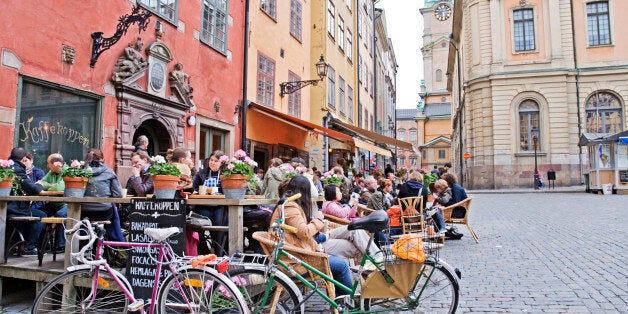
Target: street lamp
291, 87
535, 139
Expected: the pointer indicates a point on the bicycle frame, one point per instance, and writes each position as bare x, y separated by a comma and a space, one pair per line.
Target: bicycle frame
279, 252
165, 254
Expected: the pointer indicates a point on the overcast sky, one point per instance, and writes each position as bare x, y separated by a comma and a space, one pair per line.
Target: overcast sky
405, 29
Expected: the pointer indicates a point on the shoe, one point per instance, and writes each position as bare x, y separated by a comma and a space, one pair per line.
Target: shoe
60, 250
442, 231
29, 253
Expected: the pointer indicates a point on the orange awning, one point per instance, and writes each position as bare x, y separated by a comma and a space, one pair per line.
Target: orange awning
300, 123
375, 137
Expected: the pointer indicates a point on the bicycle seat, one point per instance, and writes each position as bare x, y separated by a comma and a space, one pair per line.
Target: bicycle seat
160, 234
375, 222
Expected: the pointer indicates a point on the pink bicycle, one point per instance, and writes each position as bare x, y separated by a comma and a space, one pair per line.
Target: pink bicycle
95, 287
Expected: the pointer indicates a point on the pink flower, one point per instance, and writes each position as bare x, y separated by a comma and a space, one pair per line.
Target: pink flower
75, 164
58, 164
6, 163
223, 159
301, 169
239, 154
230, 166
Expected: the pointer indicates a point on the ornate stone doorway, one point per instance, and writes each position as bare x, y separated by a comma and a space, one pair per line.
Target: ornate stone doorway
157, 137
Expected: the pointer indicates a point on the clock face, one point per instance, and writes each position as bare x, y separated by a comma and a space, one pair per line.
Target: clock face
442, 11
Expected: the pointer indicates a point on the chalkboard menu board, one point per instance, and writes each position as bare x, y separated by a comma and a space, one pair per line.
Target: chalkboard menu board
152, 213
623, 176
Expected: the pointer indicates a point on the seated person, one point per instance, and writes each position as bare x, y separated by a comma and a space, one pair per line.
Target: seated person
104, 183
370, 186
30, 230
442, 196
140, 183
340, 241
380, 200
53, 181
332, 206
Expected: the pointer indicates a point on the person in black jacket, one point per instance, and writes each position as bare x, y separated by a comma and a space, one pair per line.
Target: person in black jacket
414, 187
30, 230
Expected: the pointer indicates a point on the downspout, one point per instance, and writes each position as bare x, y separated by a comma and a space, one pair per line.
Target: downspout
575, 61
374, 91
245, 76
357, 50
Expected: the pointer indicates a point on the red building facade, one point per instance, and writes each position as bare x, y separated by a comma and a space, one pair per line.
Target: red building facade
177, 81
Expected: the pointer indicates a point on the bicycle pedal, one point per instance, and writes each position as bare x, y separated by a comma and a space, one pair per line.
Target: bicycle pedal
135, 306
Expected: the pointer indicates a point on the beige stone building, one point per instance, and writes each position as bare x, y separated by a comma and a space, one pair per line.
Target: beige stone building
517, 66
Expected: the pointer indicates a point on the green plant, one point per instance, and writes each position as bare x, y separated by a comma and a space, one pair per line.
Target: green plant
6, 169
402, 171
161, 167
330, 178
76, 170
428, 177
240, 163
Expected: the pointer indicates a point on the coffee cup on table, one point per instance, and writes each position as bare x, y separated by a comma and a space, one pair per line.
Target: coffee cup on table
203, 190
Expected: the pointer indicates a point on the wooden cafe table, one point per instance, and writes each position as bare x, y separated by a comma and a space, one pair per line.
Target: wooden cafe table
235, 209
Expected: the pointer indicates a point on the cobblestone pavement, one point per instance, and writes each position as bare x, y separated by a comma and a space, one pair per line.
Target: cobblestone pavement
538, 252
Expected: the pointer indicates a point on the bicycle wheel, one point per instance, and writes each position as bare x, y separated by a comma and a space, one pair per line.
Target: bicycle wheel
205, 290
253, 284
436, 291
71, 292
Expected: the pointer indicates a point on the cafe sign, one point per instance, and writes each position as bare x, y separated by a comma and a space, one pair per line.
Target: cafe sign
42, 131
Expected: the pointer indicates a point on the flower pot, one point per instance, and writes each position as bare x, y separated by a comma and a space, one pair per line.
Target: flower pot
234, 186
165, 186
5, 187
74, 186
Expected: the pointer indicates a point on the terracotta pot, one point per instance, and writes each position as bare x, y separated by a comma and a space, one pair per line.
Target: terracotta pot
5, 187
74, 186
165, 186
75, 182
235, 181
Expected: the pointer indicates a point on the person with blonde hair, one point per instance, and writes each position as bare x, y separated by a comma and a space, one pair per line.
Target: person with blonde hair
182, 159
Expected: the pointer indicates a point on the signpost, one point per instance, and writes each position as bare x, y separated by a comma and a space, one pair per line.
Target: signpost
152, 213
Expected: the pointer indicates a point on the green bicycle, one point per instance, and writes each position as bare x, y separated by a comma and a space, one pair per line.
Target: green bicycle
394, 286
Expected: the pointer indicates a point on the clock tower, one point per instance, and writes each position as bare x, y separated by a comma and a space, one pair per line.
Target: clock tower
434, 117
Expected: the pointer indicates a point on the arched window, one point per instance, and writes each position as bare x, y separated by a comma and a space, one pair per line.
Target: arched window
603, 112
439, 75
528, 118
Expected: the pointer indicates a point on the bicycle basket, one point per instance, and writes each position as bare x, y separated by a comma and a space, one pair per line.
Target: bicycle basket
410, 247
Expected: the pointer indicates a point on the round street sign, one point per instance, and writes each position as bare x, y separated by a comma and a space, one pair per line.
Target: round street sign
466, 156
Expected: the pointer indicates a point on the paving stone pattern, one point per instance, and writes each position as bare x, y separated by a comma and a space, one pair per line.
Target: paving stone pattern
538, 253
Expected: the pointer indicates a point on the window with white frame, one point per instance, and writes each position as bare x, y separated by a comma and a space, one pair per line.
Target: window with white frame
270, 7
350, 102
265, 80
294, 99
341, 33
331, 87
603, 113
214, 24
528, 119
598, 25
412, 133
331, 19
401, 134
341, 94
296, 18
163, 8
523, 25
349, 51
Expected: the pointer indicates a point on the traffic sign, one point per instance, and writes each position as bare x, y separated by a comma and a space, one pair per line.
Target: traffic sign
466, 155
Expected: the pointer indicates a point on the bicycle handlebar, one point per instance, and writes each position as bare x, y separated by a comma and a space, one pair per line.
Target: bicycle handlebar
91, 236
289, 228
293, 198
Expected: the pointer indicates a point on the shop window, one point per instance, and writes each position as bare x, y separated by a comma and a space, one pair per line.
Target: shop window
54, 119
603, 112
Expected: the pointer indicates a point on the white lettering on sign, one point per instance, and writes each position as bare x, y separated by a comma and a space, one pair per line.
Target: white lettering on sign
42, 131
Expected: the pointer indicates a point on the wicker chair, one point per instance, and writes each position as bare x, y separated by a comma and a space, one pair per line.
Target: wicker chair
336, 221
412, 221
466, 205
364, 211
315, 259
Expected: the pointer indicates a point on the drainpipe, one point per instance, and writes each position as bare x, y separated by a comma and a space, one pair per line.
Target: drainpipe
374, 91
245, 76
575, 61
